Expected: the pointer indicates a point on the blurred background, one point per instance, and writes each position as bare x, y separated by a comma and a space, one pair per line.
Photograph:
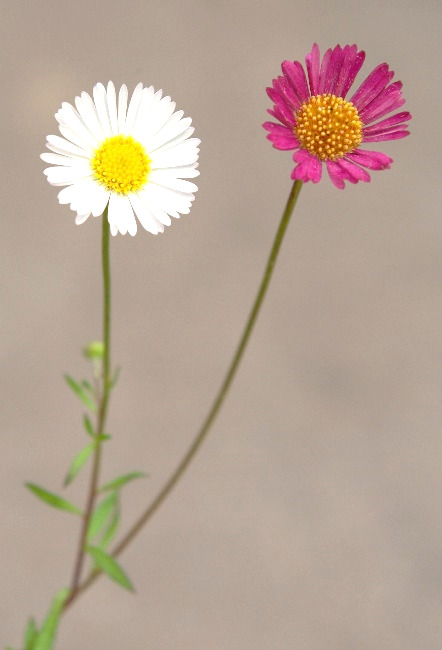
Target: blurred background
311, 517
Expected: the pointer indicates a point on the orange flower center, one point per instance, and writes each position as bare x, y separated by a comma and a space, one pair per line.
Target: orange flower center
328, 127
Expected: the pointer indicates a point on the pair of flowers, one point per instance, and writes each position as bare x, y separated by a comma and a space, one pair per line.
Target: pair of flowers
135, 158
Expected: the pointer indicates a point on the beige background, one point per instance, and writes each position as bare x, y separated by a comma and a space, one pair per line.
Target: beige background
311, 519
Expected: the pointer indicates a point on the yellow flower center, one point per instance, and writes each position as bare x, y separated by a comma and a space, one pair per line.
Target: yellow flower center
121, 164
328, 126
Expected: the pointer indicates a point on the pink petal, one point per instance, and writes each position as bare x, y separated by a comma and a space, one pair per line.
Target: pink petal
323, 72
382, 137
312, 61
393, 120
370, 159
334, 69
388, 100
276, 113
315, 169
337, 174
308, 169
295, 74
369, 133
355, 173
301, 155
352, 72
281, 137
287, 92
348, 54
375, 83
281, 107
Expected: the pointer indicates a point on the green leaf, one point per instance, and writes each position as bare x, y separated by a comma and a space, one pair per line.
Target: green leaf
88, 426
101, 515
31, 635
81, 394
109, 566
112, 529
118, 482
103, 437
53, 499
78, 463
88, 387
48, 631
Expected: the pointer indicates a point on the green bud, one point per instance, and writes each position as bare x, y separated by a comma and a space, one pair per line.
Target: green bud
94, 350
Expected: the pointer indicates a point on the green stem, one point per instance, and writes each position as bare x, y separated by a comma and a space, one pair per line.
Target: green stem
101, 418
202, 434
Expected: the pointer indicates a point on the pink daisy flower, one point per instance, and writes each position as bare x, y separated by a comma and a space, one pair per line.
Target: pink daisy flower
324, 127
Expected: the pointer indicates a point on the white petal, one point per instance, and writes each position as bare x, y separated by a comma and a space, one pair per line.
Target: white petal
112, 107
185, 153
122, 107
82, 196
81, 218
159, 214
60, 145
170, 200
171, 131
77, 139
100, 100
66, 175
71, 119
150, 122
133, 109
88, 112
57, 159
186, 171
114, 230
173, 142
163, 177
100, 200
144, 215
121, 214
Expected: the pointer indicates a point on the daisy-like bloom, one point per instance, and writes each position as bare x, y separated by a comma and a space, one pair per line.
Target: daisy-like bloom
131, 156
323, 126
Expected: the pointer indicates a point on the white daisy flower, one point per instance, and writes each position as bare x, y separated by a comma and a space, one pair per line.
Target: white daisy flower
133, 159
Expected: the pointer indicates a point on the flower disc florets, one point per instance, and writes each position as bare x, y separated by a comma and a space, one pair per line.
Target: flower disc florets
121, 164
328, 127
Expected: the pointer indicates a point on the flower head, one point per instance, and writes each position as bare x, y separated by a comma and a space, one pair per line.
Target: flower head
323, 126
131, 156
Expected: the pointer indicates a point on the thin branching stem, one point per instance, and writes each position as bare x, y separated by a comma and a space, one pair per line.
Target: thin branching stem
205, 428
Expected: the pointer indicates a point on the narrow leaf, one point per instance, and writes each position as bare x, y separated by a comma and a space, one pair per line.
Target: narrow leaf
101, 515
48, 631
112, 529
88, 426
31, 635
81, 394
109, 566
53, 499
87, 386
103, 437
118, 482
78, 463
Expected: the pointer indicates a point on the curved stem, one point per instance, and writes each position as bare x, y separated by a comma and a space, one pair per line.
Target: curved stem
202, 434
101, 418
